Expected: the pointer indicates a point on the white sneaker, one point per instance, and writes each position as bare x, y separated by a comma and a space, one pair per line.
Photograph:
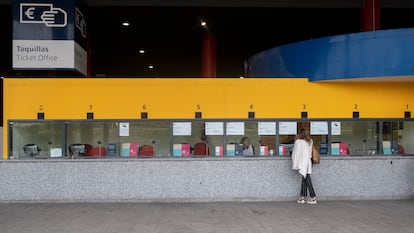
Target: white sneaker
312, 201
301, 201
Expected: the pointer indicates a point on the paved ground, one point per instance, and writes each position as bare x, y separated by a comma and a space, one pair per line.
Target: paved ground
240, 217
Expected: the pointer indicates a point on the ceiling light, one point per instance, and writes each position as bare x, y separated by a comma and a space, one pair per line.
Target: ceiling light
151, 67
125, 23
141, 51
204, 24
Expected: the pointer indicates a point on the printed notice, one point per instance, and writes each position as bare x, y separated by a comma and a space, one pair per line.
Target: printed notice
182, 129
214, 128
235, 128
123, 129
335, 128
287, 128
266, 128
319, 128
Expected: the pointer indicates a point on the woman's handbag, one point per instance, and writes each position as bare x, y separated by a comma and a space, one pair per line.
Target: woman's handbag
316, 158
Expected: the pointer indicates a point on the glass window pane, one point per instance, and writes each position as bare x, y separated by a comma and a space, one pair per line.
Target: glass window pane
356, 138
287, 133
94, 135
406, 137
184, 138
267, 138
37, 140
154, 135
400, 134
246, 129
195, 144
317, 129
319, 134
214, 136
391, 137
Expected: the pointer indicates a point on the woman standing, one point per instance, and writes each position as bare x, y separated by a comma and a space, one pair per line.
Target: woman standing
301, 162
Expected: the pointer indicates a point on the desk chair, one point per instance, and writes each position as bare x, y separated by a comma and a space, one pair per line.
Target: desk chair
201, 148
97, 151
146, 150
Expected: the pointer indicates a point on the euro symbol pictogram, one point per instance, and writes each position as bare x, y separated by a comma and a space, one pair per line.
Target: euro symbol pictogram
30, 13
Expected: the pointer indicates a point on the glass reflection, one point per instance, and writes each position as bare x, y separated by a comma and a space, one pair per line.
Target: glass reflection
115, 139
37, 140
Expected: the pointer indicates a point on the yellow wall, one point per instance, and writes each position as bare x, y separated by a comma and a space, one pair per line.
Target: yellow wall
125, 98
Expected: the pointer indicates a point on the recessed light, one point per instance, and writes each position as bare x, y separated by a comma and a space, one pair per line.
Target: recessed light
204, 24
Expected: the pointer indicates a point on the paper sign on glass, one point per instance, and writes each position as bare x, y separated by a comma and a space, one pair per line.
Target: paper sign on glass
123, 129
287, 128
235, 128
214, 128
266, 128
319, 128
182, 128
335, 128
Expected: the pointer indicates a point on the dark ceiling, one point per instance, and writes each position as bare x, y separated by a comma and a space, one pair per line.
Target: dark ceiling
244, 3
170, 33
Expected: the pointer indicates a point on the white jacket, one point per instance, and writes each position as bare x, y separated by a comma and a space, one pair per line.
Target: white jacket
301, 157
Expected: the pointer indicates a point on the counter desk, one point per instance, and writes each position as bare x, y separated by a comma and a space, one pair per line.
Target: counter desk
204, 179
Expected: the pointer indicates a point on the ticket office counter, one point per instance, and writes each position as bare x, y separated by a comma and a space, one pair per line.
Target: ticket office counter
76, 139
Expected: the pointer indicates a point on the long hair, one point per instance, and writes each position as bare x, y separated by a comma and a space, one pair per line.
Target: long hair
244, 139
305, 135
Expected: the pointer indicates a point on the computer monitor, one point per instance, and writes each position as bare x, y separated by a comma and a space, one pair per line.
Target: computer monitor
31, 150
77, 149
239, 149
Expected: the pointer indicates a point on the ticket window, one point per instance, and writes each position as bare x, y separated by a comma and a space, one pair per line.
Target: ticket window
287, 134
354, 138
185, 134
267, 145
406, 137
237, 130
213, 133
147, 134
319, 132
288, 130
397, 137
36, 140
93, 136
197, 138
140, 138
207, 142
267, 138
391, 138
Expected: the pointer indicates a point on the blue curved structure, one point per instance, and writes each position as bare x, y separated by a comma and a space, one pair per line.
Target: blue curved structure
385, 53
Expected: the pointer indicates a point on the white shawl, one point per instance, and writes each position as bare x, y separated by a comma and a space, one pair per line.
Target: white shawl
301, 157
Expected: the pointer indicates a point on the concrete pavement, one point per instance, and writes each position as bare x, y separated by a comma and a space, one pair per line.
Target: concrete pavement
379, 216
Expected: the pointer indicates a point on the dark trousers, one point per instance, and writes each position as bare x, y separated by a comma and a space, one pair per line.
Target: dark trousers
307, 184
